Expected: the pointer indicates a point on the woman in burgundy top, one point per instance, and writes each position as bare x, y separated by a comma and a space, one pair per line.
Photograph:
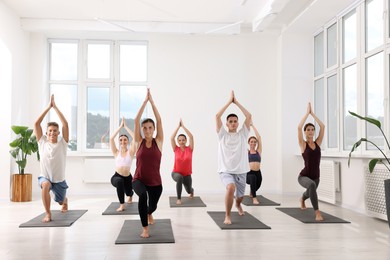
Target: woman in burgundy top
309, 177
182, 168
147, 180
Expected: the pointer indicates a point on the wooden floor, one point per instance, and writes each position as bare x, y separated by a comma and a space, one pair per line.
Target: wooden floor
196, 234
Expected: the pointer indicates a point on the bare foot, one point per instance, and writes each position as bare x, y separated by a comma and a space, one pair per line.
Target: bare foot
130, 200
47, 218
121, 208
227, 220
240, 210
255, 201
178, 202
318, 216
191, 195
150, 219
145, 232
64, 207
303, 205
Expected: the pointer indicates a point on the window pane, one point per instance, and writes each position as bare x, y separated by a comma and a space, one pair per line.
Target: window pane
319, 105
374, 24
63, 61
332, 125
350, 104
332, 45
133, 62
319, 54
349, 36
65, 97
99, 61
130, 100
98, 119
374, 98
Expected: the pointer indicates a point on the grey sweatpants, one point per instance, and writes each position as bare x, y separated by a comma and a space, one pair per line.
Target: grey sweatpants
311, 190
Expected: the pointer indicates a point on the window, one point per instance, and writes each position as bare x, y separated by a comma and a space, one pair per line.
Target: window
93, 81
332, 45
349, 36
350, 104
332, 97
319, 54
374, 24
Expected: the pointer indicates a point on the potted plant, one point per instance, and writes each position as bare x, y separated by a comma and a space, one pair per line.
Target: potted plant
23, 145
373, 162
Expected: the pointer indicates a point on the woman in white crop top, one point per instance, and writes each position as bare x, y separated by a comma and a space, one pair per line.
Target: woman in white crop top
122, 178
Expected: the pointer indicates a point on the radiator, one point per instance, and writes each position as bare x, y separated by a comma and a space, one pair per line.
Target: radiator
329, 181
375, 191
98, 170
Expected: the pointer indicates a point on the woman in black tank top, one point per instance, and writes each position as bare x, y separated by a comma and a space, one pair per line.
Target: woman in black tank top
309, 177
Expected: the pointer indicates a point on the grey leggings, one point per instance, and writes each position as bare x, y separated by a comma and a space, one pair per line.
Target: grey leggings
311, 190
180, 181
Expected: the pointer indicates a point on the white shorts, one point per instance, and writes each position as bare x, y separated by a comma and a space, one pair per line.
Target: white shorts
239, 181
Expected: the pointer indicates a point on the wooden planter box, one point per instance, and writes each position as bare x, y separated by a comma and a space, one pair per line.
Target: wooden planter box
21, 187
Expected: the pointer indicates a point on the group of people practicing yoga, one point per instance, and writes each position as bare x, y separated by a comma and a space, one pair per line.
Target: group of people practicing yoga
237, 165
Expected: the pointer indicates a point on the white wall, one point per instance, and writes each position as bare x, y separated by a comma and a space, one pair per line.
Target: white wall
191, 78
14, 98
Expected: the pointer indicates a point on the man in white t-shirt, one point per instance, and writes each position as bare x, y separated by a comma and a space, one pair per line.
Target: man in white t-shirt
233, 163
52, 151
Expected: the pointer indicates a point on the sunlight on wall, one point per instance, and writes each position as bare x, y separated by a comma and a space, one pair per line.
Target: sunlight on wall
5, 117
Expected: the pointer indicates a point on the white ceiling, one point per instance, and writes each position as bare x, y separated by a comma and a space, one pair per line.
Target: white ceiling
174, 16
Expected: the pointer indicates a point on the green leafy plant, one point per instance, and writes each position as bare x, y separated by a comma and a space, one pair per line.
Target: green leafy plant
24, 144
385, 160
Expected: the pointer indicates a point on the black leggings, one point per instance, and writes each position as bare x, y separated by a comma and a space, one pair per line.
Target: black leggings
254, 179
311, 190
144, 192
123, 185
180, 181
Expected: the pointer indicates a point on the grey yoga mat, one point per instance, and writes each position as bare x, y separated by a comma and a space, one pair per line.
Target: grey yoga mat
238, 222
59, 219
307, 216
130, 209
247, 201
160, 232
186, 202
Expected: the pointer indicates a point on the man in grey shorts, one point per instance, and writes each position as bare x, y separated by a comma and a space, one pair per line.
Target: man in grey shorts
233, 161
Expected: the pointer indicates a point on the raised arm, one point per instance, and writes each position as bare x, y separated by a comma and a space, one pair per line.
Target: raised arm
218, 116
301, 141
173, 136
189, 134
258, 137
248, 116
159, 128
37, 126
137, 120
132, 142
64, 122
114, 149
322, 128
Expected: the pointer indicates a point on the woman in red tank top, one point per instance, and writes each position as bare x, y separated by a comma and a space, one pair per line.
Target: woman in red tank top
147, 180
309, 177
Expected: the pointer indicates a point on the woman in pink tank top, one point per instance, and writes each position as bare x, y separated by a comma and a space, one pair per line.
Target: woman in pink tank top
122, 179
147, 180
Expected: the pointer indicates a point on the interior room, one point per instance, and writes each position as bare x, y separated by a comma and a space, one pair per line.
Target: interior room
276, 55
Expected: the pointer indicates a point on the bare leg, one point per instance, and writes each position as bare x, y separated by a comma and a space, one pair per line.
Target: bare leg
150, 219
145, 232
64, 204
130, 200
318, 215
238, 206
46, 200
303, 205
121, 208
229, 197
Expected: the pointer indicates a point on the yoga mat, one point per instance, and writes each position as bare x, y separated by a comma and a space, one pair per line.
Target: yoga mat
59, 219
186, 202
238, 222
307, 216
130, 209
247, 201
160, 232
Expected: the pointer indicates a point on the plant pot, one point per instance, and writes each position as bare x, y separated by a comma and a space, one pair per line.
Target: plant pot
387, 197
21, 187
